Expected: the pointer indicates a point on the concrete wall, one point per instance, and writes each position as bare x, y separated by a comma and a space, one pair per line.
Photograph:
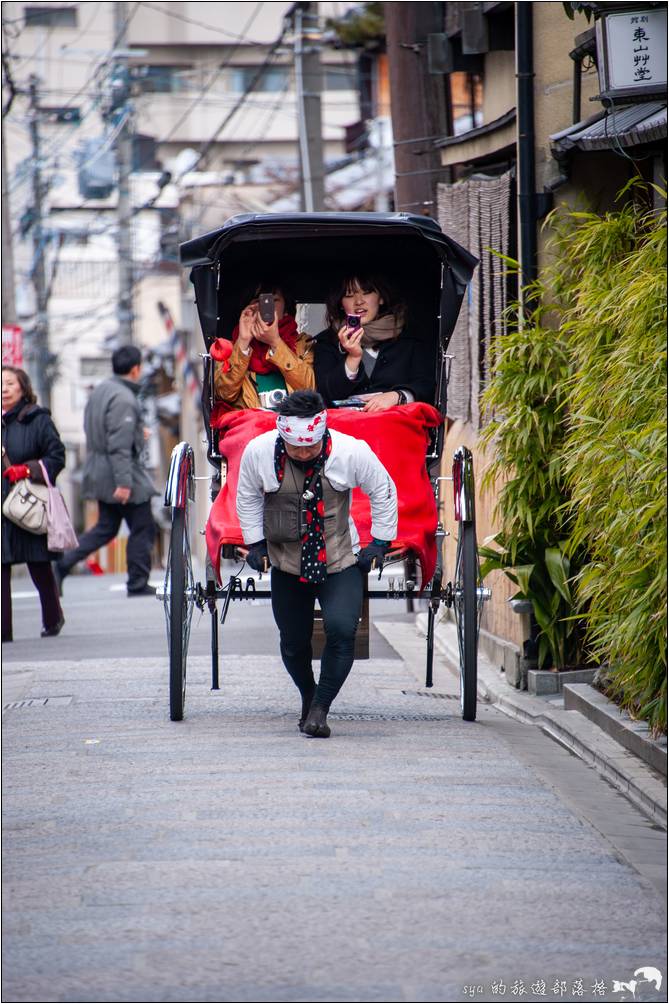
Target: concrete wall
499, 84
554, 37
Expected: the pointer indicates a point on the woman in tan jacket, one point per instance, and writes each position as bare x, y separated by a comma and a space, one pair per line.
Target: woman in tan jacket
267, 360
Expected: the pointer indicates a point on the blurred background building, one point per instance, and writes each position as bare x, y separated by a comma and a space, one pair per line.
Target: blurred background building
129, 127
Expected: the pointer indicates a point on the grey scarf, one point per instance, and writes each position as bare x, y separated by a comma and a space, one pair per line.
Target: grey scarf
383, 329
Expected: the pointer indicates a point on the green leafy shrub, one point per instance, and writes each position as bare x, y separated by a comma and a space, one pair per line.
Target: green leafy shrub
615, 452
578, 403
527, 399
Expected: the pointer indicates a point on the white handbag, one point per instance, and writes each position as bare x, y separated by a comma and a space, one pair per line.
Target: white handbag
27, 505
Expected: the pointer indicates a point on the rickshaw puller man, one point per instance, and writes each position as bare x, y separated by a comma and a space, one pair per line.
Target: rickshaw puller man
293, 504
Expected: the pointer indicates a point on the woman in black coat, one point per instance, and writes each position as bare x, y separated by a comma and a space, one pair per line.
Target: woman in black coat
367, 352
28, 436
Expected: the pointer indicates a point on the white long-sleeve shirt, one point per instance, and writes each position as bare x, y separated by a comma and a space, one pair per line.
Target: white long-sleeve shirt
351, 464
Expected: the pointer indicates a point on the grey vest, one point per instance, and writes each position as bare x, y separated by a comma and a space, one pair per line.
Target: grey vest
281, 508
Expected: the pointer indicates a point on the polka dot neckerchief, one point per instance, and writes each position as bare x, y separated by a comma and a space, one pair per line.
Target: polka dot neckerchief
314, 561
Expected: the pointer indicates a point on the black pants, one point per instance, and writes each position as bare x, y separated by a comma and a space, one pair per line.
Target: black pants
142, 535
42, 575
340, 597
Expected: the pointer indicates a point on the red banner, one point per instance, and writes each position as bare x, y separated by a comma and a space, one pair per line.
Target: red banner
12, 345
399, 437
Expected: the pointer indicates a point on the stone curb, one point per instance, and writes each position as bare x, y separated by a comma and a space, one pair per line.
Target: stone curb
634, 736
579, 734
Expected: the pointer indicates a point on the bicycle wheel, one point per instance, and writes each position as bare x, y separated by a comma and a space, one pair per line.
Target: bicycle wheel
179, 599
465, 602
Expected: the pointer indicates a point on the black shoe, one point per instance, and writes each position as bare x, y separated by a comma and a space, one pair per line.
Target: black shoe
146, 590
53, 631
316, 724
306, 704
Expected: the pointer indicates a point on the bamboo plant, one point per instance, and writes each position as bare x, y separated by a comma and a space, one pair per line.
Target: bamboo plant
578, 405
527, 404
615, 450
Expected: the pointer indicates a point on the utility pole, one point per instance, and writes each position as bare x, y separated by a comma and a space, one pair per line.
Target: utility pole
309, 84
38, 356
8, 298
418, 104
527, 200
123, 149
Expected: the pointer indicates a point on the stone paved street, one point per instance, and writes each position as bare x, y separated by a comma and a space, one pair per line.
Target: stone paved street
228, 858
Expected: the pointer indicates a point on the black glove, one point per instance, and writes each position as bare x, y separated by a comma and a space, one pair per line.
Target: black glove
258, 558
372, 556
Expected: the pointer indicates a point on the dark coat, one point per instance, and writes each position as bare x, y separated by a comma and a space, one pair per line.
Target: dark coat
114, 430
29, 435
403, 364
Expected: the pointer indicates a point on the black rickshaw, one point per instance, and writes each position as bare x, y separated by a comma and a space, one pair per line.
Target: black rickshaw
432, 273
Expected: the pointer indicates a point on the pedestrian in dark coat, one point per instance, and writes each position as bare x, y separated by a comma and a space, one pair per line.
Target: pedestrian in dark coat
368, 351
28, 436
113, 472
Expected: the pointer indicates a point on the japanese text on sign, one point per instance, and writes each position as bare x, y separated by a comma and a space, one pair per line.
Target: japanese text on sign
636, 50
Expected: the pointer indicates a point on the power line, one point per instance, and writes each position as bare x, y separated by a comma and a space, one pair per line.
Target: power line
107, 142
274, 110
206, 145
13, 91
60, 141
202, 24
249, 146
214, 77
194, 101
252, 83
42, 44
82, 61
149, 204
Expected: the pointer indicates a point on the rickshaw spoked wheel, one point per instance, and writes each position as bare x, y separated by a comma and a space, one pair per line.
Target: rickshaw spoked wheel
434, 601
465, 604
179, 599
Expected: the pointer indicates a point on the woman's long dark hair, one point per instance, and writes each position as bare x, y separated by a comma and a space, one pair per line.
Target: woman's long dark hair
24, 383
369, 282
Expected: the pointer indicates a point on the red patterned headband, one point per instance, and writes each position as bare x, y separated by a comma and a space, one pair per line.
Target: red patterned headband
302, 431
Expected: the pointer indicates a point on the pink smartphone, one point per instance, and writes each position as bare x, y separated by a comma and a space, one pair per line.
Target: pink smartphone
353, 321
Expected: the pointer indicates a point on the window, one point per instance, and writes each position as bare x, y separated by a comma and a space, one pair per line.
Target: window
162, 79
86, 280
466, 99
74, 238
275, 78
50, 17
340, 78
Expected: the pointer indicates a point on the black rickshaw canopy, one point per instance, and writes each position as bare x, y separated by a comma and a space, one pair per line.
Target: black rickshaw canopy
309, 251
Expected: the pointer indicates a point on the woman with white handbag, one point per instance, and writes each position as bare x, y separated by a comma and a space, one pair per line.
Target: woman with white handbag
29, 437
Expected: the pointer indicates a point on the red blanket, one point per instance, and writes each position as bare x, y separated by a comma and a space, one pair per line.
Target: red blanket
398, 437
